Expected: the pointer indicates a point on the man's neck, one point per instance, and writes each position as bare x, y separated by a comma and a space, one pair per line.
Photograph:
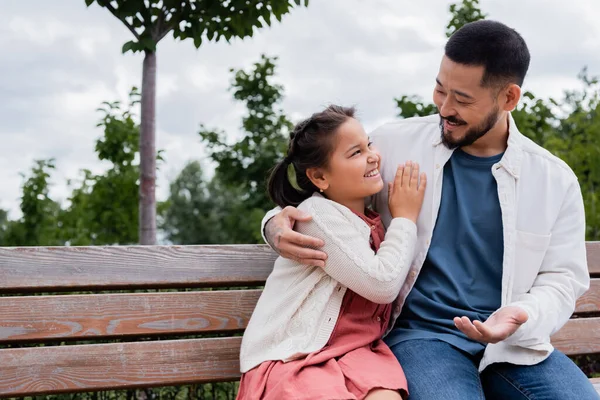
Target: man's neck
492, 143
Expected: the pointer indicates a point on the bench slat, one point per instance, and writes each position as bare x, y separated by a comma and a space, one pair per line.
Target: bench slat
44, 269
39, 269
590, 301
134, 314
41, 370
579, 336
593, 258
128, 314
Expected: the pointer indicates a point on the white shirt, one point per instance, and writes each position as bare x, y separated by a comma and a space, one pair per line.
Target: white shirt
544, 263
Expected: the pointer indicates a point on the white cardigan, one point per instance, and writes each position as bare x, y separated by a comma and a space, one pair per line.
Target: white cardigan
299, 306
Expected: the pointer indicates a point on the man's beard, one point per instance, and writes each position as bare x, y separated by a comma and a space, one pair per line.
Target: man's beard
472, 134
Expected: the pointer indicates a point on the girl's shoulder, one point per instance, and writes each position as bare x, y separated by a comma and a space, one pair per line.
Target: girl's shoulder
327, 212
319, 204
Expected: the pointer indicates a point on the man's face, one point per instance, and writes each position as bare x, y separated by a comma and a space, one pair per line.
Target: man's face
467, 109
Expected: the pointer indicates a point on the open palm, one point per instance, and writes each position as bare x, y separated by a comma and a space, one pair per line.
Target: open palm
498, 327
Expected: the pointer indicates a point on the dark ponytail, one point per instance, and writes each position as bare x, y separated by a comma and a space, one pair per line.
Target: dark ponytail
311, 143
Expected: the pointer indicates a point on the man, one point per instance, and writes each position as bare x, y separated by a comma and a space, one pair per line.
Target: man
500, 259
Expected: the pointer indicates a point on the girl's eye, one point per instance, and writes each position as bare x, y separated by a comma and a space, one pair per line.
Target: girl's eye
355, 153
369, 145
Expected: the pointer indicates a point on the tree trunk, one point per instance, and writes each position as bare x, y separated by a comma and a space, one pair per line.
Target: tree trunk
147, 222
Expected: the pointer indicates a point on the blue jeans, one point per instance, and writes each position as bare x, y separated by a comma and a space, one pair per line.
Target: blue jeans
436, 370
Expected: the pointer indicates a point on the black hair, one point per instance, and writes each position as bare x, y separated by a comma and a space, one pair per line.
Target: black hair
499, 49
311, 143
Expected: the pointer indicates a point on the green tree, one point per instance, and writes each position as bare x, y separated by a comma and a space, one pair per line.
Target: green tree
149, 22
39, 224
188, 216
462, 13
266, 128
240, 177
576, 140
104, 208
4, 222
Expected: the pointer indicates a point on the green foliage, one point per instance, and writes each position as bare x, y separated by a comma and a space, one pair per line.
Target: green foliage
190, 215
229, 208
577, 141
535, 117
413, 106
39, 222
150, 21
104, 208
3, 226
462, 13
245, 164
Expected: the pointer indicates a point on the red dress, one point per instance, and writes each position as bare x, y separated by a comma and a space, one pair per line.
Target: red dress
353, 362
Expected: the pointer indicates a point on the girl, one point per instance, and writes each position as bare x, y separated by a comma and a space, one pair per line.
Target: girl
316, 332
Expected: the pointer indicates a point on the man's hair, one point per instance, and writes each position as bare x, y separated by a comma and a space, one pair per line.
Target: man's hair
499, 49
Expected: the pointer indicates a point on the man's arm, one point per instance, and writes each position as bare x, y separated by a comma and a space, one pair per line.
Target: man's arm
563, 276
263, 226
548, 305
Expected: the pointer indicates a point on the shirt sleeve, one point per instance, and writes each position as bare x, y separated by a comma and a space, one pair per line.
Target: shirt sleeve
562, 278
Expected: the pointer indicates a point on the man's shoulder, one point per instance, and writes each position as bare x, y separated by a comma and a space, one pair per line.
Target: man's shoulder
422, 126
539, 156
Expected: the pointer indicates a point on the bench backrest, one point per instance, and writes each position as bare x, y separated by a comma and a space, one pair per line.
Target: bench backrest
175, 325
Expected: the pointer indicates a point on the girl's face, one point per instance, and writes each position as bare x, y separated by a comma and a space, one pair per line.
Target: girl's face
353, 170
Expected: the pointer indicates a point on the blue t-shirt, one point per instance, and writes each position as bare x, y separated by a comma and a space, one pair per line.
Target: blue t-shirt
462, 274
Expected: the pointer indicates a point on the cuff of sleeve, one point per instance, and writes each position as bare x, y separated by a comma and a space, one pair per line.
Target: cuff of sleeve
270, 214
516, 337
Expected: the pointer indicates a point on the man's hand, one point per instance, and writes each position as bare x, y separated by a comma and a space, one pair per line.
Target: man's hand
279, 232
498, 327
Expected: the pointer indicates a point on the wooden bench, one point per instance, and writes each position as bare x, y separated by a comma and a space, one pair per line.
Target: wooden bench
157, 331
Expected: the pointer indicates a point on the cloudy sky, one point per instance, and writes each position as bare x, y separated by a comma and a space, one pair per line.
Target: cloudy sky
60, 60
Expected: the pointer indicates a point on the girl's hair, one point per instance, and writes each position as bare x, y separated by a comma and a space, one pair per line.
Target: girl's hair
311, 143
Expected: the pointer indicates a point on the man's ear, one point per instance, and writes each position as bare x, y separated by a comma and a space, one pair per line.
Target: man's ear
511, 96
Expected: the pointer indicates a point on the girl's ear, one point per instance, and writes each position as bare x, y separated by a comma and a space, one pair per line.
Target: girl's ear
318, 178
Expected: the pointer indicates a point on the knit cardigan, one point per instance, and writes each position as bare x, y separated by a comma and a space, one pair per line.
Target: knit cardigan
300, 304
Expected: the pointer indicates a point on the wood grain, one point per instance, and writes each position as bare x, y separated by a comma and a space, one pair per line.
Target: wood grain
117, 315
43, 370
39, 269
63, 369
590, 301
43, 269
578, 336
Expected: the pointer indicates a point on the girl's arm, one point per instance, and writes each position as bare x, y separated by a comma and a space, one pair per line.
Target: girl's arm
351, 261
